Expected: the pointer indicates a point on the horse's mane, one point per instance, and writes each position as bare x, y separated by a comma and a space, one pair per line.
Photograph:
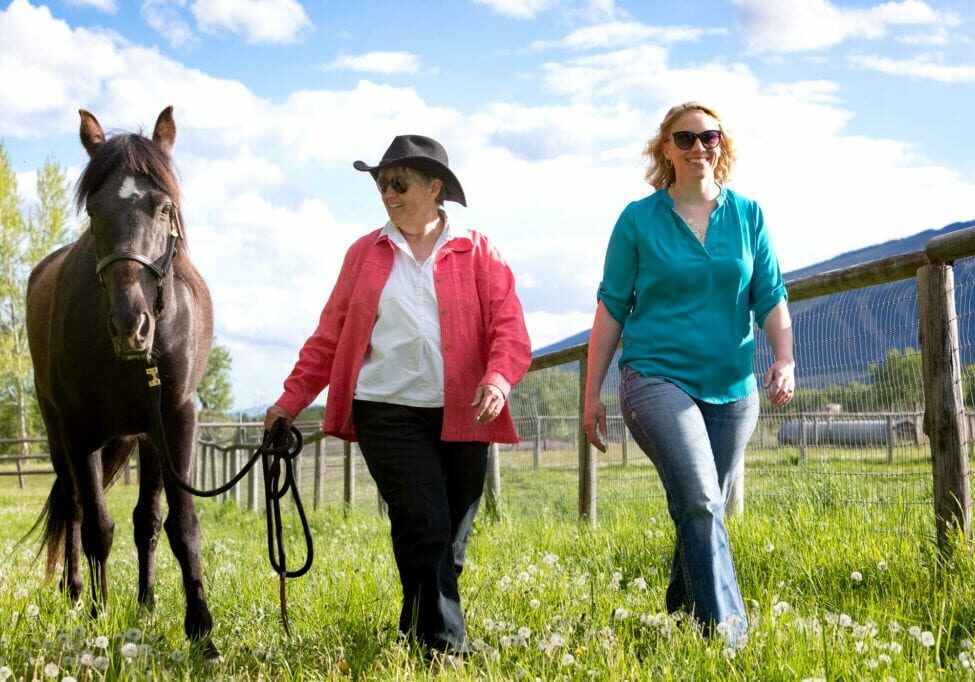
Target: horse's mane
131, 152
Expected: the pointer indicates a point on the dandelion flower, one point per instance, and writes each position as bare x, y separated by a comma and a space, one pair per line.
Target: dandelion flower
101, 642
550, 559
769, 547
87, 660
914, 631
5, 673
133, 635
620, 613
872, 663
32, 611
51, 670
488, 624
856, 576
926, 639
617, 577
845, 621
557, 640
568, 659
524, 632
129, 650
965, 644
534, 603
894, 627
101, 663
881, 565
780, 608
728, 653
894, 647
639, 583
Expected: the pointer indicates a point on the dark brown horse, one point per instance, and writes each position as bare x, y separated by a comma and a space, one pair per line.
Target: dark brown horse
98, 310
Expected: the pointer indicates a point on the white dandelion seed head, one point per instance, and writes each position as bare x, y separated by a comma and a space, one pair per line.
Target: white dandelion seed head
927, 639
129, 650
620, 613
100, 663
769, 547
20, 593
872, 663
550, 559
845, 621
728, 653
534, 603
861, 647
524, 632
881, 565
5, 673
488, 624
658, 533
133, 635
506, 641
884, 658
894, 627
895, 647
51, 670
639, 584
556, 639
524, 576
780, 608
87, 659
616, 577
568, 659
965, 644
856, 576
101, 642
914, 631
964, 658
32, 611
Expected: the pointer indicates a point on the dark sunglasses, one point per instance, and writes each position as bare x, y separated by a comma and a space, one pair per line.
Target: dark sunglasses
399, 185
684, 139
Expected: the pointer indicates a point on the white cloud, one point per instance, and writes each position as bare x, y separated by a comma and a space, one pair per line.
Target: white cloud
624, 33
259, 21
379, 62
799, 25
518, 9
109, 6
163, 16
926, 66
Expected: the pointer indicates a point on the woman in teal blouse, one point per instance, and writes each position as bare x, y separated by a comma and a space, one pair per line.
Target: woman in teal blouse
686, 269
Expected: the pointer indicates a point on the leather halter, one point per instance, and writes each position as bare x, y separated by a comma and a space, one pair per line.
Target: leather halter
159, 267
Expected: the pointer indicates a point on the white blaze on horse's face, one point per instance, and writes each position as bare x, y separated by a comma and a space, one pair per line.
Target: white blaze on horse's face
128, 189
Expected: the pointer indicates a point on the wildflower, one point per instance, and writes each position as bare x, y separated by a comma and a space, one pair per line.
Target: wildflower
769, 547
64, 638
884, 658
5, 673
101, 663
965, 644
177, 657
728, 653
568, 659
129, 650
639, 584
914, 631
87, 660
872, 663
620, 613
926, 639
856, 576
778, 608
32, 611
894, 627
51, 670
506, 641
524, 632
617, 577
964, 658
524, 576
550, 559
881, 565
488, 624
101, 642
534, 603
505, 582
581, 580
894, 647
133, 635
556, 639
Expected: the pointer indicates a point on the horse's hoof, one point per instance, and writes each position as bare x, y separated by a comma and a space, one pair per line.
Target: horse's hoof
212, 658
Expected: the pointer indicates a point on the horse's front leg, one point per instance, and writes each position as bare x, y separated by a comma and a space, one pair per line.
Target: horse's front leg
147, 520
97, 526
182, 526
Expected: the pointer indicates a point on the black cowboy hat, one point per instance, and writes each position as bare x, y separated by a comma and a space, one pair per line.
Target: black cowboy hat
422, 153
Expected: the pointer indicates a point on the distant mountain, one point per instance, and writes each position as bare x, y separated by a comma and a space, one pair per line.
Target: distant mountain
838, 336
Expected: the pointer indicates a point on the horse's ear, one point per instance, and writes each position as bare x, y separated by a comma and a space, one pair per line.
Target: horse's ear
92, 135
164, 133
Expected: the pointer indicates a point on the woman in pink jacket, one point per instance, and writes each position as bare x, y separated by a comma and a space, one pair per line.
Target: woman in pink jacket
419, 343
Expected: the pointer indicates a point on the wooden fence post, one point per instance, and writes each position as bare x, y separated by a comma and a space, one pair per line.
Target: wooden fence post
624, 449
587, 453
537, 449
890, 439
493, 482
20, 474
319, 471
944, 406
348, 484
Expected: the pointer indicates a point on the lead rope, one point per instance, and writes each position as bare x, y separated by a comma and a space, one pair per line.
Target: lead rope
280, 447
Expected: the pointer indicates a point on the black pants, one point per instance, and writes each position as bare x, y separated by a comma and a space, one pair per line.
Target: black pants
433, 489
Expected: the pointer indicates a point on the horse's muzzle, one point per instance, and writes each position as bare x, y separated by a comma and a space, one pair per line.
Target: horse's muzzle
134, 341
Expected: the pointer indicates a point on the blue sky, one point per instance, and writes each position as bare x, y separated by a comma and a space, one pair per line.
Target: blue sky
849, 116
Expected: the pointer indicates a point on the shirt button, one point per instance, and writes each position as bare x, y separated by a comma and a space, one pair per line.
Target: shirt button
443, 312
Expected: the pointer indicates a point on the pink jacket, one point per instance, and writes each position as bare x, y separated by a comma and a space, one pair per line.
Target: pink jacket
482, 334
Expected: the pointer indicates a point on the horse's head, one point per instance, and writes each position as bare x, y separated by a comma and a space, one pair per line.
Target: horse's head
130, 192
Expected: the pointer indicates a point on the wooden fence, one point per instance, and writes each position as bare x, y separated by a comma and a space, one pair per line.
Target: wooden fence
944, 419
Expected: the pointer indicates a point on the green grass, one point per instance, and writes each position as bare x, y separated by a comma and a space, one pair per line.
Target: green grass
545, 596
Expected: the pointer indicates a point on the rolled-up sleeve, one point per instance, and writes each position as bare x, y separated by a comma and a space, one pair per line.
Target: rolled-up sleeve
767, 287
616, 290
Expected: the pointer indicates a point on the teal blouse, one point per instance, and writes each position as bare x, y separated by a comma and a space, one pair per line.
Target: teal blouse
685, 307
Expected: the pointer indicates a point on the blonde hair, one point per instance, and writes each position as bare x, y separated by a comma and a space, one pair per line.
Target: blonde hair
660, 173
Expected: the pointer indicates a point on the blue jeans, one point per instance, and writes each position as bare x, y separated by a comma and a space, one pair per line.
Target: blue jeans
433, 489
695, 447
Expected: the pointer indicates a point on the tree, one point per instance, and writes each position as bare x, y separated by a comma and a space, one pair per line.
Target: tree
22, 244
898, 381
215, 392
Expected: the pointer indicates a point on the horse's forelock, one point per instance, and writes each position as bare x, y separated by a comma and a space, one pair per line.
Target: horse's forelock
132, 153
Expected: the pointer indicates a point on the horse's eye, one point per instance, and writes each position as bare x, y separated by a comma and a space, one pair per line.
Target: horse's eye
166, 209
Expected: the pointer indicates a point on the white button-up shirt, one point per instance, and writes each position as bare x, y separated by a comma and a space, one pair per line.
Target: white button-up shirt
404, 362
